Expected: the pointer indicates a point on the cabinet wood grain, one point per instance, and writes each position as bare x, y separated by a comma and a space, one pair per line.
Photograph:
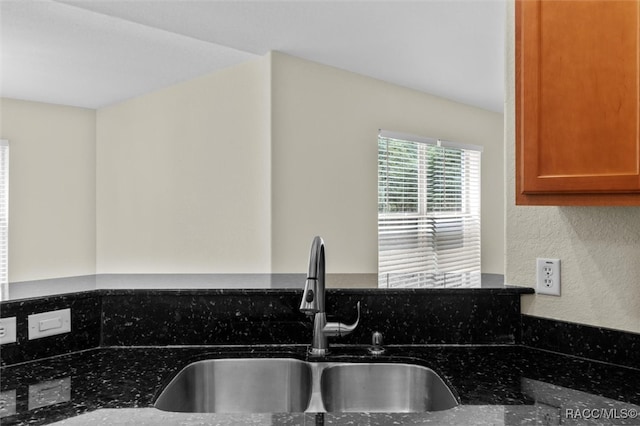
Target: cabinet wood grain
577, 102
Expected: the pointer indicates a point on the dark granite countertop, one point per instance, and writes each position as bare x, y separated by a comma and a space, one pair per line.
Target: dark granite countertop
127, 344
196, 283
495, 384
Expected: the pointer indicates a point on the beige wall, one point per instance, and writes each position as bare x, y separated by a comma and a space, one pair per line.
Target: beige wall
325, 123
599, 247
183, 177
236, 171
52, 182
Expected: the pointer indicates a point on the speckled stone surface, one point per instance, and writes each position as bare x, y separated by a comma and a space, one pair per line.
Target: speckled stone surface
507, 384
265, 316
127, 344
259, 317
598, 343
86, 320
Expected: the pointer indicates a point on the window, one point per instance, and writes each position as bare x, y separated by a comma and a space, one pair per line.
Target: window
428, 212
4, 219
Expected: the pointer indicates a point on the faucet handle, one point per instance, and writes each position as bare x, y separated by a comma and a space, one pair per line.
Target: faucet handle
340, 329
350, 328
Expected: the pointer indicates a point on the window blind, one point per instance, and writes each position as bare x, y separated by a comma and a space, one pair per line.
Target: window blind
4, 219
428, 212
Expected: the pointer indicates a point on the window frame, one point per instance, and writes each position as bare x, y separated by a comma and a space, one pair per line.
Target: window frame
428, 220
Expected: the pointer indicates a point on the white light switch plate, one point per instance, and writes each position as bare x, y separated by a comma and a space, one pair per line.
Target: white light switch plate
49, 323
7, 330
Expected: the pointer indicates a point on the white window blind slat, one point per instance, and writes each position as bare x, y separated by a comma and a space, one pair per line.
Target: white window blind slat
428, 212
4, 219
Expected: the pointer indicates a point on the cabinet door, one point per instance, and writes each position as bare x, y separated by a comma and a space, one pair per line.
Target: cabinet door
577, 102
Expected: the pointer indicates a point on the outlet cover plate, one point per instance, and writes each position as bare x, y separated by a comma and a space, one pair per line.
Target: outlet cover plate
548, 276
49, 323
7, 330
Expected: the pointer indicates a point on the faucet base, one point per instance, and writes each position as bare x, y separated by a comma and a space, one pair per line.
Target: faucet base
318, 352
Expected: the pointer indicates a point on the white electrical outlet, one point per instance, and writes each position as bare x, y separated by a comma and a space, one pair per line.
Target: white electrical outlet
7, 330
548, 276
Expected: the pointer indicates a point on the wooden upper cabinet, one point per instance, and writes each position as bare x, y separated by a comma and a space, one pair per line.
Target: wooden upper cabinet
577, 102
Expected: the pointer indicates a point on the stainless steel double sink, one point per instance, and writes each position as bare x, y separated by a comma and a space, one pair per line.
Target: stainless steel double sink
275, 385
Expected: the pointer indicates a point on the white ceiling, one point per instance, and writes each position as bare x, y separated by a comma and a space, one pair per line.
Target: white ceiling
93, 53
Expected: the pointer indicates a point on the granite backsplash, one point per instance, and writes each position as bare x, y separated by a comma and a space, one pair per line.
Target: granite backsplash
257, 316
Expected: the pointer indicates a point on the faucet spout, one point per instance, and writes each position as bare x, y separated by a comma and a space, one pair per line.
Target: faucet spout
313, 295
312, 303
309, 305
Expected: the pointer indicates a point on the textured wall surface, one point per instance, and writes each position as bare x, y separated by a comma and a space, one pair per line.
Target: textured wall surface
52, 206
183, 177
599, 247
232, 172
325, 124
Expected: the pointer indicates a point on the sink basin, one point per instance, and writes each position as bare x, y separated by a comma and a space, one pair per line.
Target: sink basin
281, 385
247, 385
384, 388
